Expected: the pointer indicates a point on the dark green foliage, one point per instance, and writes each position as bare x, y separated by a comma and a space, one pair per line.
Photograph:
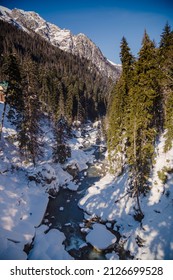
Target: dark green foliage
62, 131
166, 41
118, 110
135, 114
42, 78
30, 130
143, 114
14, 94
127, 58
166, 64
62, 78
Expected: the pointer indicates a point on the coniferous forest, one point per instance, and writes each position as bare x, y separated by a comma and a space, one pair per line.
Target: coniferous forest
141, 108
62, 116
42, 78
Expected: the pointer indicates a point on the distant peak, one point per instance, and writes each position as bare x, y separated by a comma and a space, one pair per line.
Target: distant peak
4, 9
81, 34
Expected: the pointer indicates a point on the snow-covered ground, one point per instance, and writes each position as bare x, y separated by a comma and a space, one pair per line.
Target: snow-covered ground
108, 199
24, 197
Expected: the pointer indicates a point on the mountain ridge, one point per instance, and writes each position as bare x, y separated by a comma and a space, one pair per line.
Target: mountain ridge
79, 44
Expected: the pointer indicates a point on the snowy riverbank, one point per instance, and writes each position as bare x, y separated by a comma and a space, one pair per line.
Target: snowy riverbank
107, 204
108, 199
23, 199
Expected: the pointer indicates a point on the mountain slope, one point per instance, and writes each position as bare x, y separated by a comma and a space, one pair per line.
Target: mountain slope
61, 76
79, 45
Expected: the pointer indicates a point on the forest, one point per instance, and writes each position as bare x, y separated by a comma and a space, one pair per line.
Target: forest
61, 118
141, 108
43, 79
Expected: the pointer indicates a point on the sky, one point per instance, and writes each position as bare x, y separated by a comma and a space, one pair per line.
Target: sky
105, 22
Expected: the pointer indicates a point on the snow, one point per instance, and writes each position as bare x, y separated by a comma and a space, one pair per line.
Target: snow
5, 10
49, 246
109, 199
112, 256
63, 38
24, 197
100, 238
114, 64
100, 198
6, 15
72, 186
80, 159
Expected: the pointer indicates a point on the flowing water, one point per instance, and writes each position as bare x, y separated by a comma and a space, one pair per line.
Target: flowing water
64, 214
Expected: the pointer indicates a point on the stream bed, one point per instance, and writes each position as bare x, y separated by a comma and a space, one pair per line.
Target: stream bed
64, 214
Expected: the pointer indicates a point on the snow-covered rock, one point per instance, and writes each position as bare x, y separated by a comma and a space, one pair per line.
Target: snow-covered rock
72, 186
100, 238
49, 246
44, 175
112, 256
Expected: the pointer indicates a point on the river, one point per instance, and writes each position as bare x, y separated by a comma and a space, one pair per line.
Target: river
64, 214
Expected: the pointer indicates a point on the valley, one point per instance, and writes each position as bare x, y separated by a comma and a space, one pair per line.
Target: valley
86, 145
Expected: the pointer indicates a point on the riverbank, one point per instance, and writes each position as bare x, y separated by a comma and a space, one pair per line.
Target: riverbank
23, 200
103, 203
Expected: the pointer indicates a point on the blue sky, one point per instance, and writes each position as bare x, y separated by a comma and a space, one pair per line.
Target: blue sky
105, 22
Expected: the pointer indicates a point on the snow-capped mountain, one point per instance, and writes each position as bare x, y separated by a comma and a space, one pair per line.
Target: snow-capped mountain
78, 44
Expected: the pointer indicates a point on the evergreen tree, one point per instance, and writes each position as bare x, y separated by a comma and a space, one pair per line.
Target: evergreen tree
116, 129
143, 114
166, 64
14, 94
44, 93
126, 57
166, 41
118, 110
61, 151
69, 104
30, 129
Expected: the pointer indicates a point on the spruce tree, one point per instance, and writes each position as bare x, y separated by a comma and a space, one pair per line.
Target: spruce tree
69, 104
166, 65
126, 57
14, 94
118, 110
143, 114
30, 130
61, 151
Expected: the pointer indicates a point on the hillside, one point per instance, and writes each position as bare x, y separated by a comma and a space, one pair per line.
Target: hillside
58, 73
79, 45
80, 155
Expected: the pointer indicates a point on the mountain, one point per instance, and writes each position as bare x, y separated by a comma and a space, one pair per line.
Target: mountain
79, 45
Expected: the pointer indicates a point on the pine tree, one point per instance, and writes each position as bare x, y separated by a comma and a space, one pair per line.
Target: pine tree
61, 151
143, 114
14, 95
44, 92
116, 129
118, 110
166, 41
69, 104
126, 57
30, 130
166, 64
